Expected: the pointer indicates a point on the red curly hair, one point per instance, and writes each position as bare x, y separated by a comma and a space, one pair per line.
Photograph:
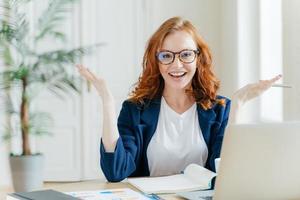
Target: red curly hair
151, 84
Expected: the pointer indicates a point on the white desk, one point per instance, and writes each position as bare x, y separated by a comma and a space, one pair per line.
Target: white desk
86, 185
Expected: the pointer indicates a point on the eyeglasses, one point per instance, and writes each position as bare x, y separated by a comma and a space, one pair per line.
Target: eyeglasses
185, 56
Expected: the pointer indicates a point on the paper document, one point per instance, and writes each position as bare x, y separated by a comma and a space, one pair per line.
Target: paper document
195, 177
112, 194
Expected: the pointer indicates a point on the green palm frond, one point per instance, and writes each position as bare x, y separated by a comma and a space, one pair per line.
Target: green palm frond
2, 104
6, 80
64, 85
11, 75
64, 56
13, 23
50, 20
22, 27
7, 32
5, 53
59, 85
9, 106
40, 123
6, 133
60, 56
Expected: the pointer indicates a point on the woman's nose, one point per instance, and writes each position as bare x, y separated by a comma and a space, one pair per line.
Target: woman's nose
177, 62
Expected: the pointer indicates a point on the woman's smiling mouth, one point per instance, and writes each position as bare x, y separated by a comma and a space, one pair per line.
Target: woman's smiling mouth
177, 74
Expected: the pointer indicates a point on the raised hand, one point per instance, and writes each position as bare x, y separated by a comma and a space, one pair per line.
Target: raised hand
97, 82
110, 132
253, 90
247, 93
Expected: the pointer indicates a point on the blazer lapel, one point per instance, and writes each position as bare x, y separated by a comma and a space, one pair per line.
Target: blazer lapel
206, 118
149, 118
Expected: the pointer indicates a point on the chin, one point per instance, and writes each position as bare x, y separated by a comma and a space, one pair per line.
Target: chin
179, 86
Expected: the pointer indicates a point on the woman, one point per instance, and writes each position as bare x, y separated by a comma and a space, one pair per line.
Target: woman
173, 117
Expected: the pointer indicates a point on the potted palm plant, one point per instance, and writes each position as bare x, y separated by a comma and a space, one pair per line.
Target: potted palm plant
25, 72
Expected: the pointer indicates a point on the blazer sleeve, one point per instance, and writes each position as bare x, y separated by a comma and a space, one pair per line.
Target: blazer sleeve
119, 164
216, 143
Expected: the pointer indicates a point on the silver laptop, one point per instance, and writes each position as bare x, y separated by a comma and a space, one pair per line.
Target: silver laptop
260, 161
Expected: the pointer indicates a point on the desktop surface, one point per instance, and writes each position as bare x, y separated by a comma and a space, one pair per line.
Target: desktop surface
98, 184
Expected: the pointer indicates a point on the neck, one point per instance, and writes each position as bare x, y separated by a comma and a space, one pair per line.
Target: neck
178, 99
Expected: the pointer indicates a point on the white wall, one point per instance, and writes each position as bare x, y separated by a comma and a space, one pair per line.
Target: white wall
115, 23
271, 57
228, 46
291, 58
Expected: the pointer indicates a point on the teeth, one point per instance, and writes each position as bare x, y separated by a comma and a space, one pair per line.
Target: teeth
177, 73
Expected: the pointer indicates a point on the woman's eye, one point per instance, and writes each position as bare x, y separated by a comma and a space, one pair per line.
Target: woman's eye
166, 56
186, 54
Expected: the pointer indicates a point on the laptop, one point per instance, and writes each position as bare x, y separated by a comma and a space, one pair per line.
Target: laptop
258, 161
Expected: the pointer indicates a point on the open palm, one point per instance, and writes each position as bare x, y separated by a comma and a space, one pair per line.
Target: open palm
96, 81
253, 90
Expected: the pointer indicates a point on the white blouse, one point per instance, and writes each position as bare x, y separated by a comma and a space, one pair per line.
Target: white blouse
177, 142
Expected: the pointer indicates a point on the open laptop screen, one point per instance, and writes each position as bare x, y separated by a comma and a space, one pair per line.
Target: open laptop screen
260, 161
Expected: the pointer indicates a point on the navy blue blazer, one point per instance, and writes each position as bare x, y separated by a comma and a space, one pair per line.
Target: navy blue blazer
137, 124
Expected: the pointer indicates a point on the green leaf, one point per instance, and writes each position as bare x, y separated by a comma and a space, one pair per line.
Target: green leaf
7, 32
52, 17
41, 123
15, 74
53, 89
61, 56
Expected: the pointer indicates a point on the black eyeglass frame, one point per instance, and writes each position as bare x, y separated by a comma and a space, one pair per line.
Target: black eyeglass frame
197, 52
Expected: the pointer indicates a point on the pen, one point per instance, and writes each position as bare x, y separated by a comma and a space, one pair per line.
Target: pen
282, 85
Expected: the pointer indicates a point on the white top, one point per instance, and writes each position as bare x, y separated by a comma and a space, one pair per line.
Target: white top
177, 142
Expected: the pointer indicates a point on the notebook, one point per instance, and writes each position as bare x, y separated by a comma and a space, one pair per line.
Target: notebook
194, 177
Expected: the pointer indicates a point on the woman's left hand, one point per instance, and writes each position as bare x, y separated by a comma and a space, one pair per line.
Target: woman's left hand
247, 93
253, 90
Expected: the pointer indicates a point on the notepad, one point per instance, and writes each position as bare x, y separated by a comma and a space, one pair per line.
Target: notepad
194, 177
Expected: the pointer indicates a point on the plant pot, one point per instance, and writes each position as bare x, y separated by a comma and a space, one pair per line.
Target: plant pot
27, 172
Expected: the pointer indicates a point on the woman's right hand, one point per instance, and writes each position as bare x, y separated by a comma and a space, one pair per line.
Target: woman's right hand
110, 132
97, 82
